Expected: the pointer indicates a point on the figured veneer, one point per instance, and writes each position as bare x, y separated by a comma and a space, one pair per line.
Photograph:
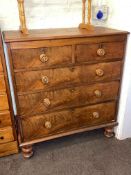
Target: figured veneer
62, 77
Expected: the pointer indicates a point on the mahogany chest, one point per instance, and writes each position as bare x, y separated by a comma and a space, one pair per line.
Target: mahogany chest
8, 143
65, 81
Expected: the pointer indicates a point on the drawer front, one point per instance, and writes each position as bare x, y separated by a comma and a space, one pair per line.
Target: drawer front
54, 78
8, 148
54, 123
99, 52
6, 135
2, 84
44, 102
42, 57
5, 119
3, 102
1, 67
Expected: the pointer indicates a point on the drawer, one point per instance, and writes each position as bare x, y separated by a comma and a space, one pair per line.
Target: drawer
44, 102
1, 67
2, 84
41, 57
8, 148
6, 135
60, 122
99, 52
56, 78
5, 119
3, 102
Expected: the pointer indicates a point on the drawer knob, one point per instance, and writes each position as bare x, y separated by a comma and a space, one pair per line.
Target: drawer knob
43, 58
99, 72
96, 115
47, 102
48, 125
101, 52
97, 93
45, 80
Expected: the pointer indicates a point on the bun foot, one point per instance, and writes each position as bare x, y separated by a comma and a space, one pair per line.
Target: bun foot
27, 151
109, 132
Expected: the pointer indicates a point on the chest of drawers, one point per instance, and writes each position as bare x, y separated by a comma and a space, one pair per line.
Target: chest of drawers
65, 81
8, 143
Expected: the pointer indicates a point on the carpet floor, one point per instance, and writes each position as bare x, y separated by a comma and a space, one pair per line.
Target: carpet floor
88, 153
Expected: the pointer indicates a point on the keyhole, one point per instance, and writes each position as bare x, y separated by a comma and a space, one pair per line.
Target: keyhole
1, 137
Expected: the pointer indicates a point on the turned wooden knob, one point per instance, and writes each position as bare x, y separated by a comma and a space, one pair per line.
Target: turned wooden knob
95, 115
47, 102
97, 93
101, 52
43, 58
48, 124
99, 72
45, 80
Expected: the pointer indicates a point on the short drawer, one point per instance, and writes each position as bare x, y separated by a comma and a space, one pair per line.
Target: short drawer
44, 102
5, 119
6, 135
1, 67
99, 52
41, 57
4, 102
60, 122
2, 84
54, 78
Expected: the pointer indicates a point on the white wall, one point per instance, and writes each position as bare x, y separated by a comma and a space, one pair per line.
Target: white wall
41, 13
67, 13
120, 18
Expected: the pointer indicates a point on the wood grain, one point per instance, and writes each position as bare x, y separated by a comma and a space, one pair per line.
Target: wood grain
1, 68
88, 52
4, 102
43, 34
30, 58
44, 102
62, 77
5, 119
8, 148
34, 127
66, 42
2, 84
6, 135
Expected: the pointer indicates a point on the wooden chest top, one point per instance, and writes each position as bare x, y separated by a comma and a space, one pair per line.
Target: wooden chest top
14, 36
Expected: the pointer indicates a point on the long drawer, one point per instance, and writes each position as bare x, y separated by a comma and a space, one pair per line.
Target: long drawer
44, 102
2, 84
60, 122
61, 55
4, 102
6, 135
54, 78
5, 119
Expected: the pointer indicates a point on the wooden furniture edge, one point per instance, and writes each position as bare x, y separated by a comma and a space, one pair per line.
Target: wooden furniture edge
58, 33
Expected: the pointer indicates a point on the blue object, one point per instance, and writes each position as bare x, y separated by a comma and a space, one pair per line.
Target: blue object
99, 14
